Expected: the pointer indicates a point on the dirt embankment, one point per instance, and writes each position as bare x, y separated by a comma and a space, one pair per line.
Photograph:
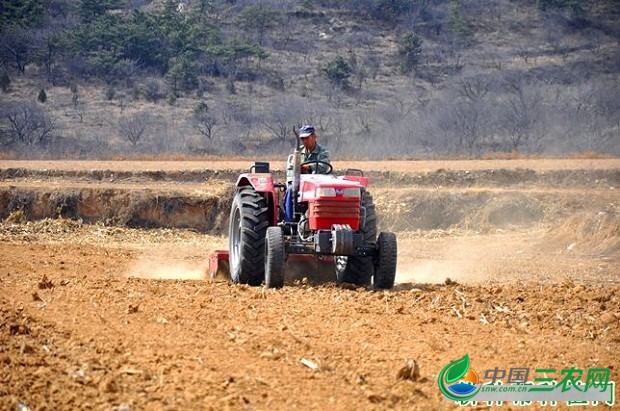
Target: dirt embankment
570, 209
474, 199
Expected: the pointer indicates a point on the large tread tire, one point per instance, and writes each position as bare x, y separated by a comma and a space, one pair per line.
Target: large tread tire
247, 228
274, 258
359, 270
385, 266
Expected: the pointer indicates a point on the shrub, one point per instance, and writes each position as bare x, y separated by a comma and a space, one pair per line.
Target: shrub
337, 70
5, 82
42, 97
409, 49
154, 90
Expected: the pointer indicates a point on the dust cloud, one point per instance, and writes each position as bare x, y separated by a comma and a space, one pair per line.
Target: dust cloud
162, 267
429, 272
470, 258
165, 270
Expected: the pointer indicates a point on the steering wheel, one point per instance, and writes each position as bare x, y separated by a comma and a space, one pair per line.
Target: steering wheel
319, 163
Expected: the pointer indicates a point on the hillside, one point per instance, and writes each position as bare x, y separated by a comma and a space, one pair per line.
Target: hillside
379, 79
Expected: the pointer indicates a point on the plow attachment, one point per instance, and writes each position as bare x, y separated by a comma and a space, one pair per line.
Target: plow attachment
317, 269
219, 267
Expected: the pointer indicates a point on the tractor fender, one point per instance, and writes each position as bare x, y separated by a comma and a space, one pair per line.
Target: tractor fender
262, 183
364, 181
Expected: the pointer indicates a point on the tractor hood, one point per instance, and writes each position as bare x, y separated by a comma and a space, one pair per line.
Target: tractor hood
317, 186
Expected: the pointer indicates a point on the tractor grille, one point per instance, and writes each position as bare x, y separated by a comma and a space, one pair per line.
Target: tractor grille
324, 213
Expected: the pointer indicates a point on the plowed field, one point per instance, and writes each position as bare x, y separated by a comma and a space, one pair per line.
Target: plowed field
104, 302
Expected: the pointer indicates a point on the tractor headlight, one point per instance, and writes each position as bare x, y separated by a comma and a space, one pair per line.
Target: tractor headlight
326, 192
351, 192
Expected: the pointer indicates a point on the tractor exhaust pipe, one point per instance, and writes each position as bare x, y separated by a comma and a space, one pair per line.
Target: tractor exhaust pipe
296, 165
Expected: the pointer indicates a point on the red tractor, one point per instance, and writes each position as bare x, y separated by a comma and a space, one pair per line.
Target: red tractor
331, 224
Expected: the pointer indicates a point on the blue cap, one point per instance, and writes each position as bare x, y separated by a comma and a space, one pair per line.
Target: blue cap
306, 130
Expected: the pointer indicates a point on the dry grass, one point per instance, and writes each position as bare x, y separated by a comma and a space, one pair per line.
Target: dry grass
15, 229
510, 155
589, 155
183, 157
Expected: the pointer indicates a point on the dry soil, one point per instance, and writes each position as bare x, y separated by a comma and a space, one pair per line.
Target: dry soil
515, 263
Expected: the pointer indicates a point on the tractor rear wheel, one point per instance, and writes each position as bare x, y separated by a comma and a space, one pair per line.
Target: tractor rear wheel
248, 225
385, 263
359, 270
274, 258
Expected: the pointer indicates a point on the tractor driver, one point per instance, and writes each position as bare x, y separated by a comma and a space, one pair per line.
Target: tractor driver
310, 151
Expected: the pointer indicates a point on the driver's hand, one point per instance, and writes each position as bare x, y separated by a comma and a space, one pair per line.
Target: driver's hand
305, 168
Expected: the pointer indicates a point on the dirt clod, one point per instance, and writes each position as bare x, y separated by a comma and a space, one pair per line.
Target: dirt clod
410, 371
45, 283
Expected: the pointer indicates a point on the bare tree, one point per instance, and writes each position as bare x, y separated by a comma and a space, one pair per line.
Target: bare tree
154, 89
80, 110
134, 126
237, 115
467, 119
400, 106
320, 115
436, 132
451, 124
129, 70
100, 140
607, 104
204, 120
524, 51
591, 117
372, 64
281, 115
493, 61
522, 112
18, 47
233, 110
26, 123
474, 88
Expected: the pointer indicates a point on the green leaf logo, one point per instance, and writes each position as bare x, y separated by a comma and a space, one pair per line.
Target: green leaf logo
457, 369
451, 373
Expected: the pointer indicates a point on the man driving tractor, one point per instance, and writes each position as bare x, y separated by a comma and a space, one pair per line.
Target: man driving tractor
310, 151
326, 222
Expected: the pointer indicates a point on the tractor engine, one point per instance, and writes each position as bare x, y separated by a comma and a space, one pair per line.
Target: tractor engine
329, 213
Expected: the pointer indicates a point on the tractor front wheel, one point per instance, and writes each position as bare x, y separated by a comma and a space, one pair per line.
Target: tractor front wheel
274, 258
355, 269
385, 262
